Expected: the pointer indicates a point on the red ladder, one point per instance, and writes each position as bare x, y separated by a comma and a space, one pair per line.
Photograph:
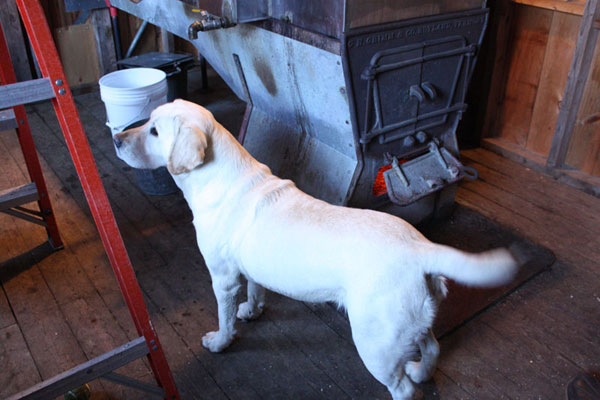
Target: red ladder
11, 200
54, 86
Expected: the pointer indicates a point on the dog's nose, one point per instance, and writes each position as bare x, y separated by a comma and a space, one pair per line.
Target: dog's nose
118, 142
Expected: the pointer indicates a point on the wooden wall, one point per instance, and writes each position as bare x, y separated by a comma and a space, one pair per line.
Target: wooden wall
530, 71
584, 149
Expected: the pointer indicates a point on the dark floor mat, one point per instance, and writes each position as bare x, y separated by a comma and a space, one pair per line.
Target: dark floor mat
470, 231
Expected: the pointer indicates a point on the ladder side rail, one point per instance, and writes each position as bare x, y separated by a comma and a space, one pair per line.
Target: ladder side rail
77, 143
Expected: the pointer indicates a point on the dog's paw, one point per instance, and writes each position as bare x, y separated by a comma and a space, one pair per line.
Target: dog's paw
246, 312
416, 372
216, 342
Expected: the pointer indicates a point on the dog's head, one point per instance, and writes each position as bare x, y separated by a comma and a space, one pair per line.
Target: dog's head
175, 136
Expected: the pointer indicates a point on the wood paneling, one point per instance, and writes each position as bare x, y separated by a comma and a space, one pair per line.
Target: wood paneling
527, 51
555, 70
584, 149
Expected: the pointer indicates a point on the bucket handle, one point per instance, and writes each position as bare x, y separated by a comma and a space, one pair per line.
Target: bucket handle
119, 128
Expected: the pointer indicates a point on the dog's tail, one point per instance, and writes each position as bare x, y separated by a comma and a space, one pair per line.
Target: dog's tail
490, 268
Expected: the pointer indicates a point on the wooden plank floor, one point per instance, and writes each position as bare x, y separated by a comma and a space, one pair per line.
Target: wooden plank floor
57, 310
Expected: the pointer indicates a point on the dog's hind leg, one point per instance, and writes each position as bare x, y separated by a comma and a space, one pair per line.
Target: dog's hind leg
252, 308
421, 371
382, 352
225, 287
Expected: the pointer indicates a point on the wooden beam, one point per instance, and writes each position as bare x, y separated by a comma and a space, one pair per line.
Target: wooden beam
580, 67
568, 6
11, 24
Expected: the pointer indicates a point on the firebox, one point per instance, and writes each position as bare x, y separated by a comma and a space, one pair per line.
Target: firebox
356, 101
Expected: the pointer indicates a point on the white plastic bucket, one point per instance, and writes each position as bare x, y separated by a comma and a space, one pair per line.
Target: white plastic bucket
130, 95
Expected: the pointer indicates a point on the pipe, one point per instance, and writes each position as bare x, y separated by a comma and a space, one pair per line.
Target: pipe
136, 38
115, 29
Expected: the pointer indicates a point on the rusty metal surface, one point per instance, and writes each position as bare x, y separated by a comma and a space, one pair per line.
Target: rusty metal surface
361, 13
324, 17
236, 11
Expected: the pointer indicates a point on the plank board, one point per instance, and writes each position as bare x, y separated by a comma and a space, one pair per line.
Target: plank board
551, 195
555, 70
18, 368
6, 315
76, 46
531, 30
584, 148
554, 230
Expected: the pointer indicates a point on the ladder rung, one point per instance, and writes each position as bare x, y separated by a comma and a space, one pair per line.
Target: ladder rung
86, 372
8, 120
26, 92
16, 196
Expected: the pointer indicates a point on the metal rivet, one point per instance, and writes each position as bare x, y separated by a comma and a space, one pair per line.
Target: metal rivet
343, 90
62, 91
21, 122
59, 82
155, 348
421, 137
152, 341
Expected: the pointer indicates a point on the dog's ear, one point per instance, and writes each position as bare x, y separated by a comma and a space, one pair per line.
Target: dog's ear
188, 150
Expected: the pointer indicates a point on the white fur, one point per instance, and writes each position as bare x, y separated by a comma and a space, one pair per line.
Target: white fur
249, 222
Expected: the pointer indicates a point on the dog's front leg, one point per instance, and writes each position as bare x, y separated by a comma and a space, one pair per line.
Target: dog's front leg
252, 308
225, 287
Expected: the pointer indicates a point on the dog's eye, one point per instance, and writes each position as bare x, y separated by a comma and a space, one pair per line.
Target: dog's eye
153, 131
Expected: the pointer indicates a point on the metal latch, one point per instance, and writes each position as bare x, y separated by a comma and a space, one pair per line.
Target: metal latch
423, 175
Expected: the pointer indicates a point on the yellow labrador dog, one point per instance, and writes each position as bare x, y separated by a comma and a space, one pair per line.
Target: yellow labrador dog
249, 222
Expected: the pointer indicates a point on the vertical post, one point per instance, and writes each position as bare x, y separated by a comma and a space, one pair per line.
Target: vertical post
68, 118
105, 43
578, 74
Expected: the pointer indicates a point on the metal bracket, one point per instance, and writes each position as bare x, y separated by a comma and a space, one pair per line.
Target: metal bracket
423, 175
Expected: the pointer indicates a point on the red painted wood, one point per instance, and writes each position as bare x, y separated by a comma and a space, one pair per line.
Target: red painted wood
50, 66
7, 76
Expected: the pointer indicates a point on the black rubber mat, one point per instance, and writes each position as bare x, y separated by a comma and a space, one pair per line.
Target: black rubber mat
470, 231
